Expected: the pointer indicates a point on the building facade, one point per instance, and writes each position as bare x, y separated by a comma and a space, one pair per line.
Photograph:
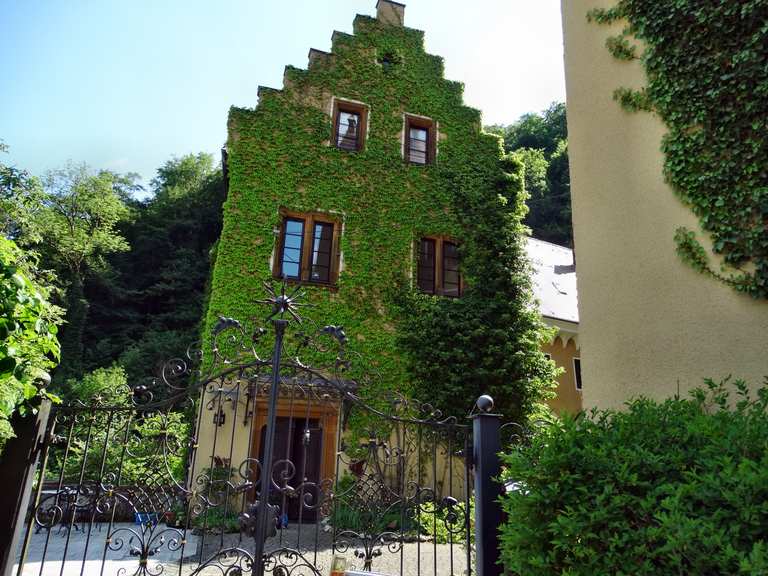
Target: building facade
344, 180
554, 284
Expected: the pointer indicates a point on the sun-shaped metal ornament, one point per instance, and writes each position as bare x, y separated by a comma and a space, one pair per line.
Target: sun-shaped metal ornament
284, 303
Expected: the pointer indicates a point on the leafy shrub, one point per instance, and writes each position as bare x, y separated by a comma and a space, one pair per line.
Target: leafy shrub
674, 487
141, 447
28, 344
446, 524
350, 511
346, 513
217, 483
216, 521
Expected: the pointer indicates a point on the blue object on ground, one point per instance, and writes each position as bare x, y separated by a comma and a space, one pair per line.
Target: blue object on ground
145, 517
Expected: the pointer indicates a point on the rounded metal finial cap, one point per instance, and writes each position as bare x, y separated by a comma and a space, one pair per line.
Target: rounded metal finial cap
484, 403
44, 379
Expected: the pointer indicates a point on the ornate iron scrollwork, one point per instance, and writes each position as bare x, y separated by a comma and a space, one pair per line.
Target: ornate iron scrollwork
401, 462
249, 519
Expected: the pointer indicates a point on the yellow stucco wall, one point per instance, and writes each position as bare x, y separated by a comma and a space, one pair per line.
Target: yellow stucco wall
220, 441
568, 398
647, 320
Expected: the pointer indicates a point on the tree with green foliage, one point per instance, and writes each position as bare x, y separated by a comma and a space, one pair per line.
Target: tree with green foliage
29, 348
536, 165
540, 143
540, 131
21, 196
139, 306
157, 440
549, 215
77, 226
672, 487
147, 309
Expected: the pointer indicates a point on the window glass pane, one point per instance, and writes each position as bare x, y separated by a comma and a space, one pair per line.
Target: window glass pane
425, 275
417, 145
451, 280
451, 255
348, 130
293, 238
419, 134
322, 243
291, 269
293, 241
293, 226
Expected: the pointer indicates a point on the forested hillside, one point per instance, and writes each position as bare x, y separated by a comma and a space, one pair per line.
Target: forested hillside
541, 142
130, 273
146, 306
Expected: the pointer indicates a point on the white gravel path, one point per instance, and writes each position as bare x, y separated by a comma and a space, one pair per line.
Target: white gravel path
121, 556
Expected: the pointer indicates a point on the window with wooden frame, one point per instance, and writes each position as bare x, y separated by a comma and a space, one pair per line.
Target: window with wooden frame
350, 120
308, 248
420, 136
437, 267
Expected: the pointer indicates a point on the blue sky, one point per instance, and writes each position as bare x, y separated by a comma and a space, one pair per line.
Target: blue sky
126, 84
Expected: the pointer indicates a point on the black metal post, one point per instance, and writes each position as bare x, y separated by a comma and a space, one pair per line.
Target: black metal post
263, 514
18, 463
486, 448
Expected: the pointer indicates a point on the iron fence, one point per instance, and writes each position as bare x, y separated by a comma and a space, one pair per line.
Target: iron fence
267, 452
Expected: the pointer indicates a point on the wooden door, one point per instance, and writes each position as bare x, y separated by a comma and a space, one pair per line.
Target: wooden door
300, 442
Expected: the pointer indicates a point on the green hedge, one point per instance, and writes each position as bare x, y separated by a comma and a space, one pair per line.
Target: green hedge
679, 487
445, 524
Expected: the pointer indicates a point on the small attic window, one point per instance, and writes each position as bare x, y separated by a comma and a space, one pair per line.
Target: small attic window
389, 60
420, 138
349, 125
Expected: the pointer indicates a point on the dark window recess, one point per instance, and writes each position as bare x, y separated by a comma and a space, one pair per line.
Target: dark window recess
426, 266
577, 372
451, 281
438, 267
293, 245
322, 244
389, 60
348, 130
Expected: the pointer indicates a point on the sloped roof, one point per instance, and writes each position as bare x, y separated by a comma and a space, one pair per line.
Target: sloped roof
554, 280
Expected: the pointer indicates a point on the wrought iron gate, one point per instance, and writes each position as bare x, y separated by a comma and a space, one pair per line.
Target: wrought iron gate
270, 451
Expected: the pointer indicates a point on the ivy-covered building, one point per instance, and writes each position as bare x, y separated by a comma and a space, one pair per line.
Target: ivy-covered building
367, 179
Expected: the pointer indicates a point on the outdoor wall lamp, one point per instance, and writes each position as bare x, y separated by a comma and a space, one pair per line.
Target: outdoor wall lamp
219, 417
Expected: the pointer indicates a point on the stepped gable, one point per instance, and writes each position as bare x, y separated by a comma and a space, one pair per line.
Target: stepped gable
369, 36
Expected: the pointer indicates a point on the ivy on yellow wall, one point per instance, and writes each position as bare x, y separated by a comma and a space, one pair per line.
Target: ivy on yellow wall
708, 81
